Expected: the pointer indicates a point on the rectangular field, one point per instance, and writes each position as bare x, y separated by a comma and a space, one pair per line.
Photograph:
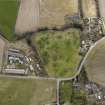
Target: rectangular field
89, 8
27, 91
43, 13
53, 12
8, 14
28, 16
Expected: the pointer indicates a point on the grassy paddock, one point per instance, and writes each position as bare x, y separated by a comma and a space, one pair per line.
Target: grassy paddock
59, 51
27, 91
70, 95
8, 14
66, 92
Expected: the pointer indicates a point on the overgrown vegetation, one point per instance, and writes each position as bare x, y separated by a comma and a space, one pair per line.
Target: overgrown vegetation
65, 92
8, 14
59, 51
70, 95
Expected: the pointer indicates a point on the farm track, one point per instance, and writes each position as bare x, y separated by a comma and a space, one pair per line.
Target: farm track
34, 14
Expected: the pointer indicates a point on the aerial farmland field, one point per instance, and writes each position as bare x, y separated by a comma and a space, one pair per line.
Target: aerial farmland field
27, 91
8, 14
28, 16
95, 64
34, 14
59, 51
53, 12
89, 8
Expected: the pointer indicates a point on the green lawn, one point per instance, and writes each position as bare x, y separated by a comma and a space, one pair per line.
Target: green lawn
70, 95
65, 92
59, 51
8, 14
27, 92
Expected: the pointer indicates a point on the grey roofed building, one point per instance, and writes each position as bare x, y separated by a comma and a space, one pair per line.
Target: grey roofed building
15, 71
15, 54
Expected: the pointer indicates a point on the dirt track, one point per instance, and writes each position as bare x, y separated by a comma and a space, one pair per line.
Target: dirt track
53, 12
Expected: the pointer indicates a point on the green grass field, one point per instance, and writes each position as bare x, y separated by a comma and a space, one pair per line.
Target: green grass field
65, 92
8, 14
70, 95
59, 51
27, 91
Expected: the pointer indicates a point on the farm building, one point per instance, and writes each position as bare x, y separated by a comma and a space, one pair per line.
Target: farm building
95, 64
15, 71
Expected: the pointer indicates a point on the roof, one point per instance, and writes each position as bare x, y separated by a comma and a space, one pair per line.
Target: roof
14, 71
